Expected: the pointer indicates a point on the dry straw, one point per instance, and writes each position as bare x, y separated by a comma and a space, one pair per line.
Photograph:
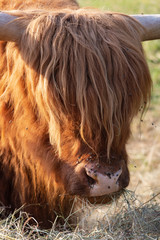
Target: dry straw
128, 218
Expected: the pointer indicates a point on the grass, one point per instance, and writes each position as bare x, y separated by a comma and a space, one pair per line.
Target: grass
136, 215
125, 6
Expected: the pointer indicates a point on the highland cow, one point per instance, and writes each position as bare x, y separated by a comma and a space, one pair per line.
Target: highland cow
71, 81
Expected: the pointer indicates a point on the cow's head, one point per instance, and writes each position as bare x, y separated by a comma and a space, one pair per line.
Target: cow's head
91, 78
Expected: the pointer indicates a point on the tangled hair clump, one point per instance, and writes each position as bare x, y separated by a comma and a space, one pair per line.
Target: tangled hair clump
82, 67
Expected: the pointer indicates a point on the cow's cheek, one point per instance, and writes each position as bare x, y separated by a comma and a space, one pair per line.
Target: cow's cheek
73, 183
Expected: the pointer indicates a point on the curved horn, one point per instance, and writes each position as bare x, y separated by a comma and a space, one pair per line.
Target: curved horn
10, 29
151, 23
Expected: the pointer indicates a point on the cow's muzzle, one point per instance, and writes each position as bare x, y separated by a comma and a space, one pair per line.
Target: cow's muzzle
106, 179
102, 183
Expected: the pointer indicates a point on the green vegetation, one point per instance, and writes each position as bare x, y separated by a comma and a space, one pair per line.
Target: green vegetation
152, 50
125, 6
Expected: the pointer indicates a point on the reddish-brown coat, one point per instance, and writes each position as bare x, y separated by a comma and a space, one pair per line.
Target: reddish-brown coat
48, 128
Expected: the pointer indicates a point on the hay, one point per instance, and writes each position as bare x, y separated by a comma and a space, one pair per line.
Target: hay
128, 218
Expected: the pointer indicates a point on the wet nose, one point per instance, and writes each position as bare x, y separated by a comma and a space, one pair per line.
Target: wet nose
102, 182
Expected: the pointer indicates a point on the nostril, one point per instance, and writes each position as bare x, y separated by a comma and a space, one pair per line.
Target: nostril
124, 181
90, 175
91, 181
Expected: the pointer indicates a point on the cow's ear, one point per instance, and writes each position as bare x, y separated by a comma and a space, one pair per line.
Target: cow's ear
151, 24
11, 29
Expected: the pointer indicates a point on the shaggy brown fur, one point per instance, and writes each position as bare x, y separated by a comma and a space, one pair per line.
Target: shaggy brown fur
71, 86
37, 4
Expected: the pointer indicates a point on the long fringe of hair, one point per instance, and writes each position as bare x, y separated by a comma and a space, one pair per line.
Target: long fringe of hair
84, 66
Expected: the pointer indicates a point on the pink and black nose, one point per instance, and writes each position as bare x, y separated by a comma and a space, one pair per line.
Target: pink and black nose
102, 182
